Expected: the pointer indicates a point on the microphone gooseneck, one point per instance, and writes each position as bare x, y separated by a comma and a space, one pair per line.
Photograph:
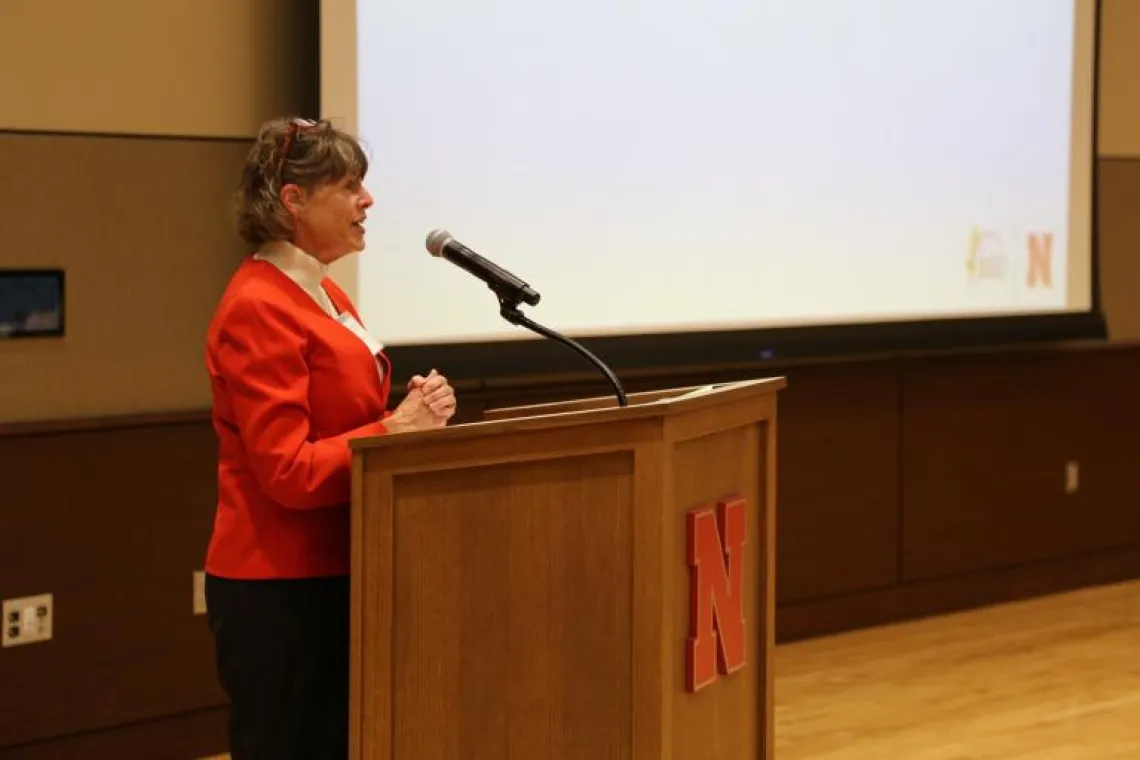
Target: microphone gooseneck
511, 292
510, 312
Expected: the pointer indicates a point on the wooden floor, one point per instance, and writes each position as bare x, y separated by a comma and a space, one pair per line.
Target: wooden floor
1050, 679
1056, 678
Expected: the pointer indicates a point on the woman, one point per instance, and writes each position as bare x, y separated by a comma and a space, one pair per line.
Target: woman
294, 377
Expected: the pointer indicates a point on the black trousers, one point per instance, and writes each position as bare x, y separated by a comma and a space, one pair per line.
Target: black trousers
282, 658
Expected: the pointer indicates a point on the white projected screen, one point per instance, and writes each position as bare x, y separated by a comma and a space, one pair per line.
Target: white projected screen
717, 164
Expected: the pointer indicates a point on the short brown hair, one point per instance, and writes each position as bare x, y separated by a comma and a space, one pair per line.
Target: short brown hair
291, 151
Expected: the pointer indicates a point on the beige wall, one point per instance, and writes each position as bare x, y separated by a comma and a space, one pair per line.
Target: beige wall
139, 220
1120, 79
1119, 147
209, 68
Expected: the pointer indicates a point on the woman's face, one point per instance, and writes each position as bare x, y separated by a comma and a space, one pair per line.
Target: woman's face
329, 220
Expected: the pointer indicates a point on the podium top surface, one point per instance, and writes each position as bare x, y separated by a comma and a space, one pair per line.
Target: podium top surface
589, 411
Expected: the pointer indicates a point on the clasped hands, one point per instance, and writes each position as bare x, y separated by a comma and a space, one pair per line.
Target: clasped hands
430, 403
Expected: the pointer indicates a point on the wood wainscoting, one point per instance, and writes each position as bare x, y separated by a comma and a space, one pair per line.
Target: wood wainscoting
908, 486
111, 517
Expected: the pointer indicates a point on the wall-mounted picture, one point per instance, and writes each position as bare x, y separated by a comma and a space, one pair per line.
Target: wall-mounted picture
31, 303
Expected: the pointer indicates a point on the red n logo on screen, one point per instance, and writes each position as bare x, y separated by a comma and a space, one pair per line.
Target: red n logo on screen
1040, 260
716, 538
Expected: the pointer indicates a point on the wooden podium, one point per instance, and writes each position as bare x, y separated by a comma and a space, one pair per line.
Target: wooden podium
544, 584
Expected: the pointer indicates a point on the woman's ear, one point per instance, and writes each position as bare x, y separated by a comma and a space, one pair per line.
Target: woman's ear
293, 197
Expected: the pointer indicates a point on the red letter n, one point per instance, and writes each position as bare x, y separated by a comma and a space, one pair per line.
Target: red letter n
716, 612
1041, 259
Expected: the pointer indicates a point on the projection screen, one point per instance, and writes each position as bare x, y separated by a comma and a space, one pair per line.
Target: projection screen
723, 171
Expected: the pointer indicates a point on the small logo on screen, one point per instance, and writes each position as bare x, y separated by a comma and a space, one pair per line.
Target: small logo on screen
1039, 252
986, 258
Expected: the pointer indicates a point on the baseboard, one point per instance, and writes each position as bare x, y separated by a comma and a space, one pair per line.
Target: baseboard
820, 617
177, 737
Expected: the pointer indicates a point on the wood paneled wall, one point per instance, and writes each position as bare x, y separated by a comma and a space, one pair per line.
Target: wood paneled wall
111, 519
918, 486
907, 486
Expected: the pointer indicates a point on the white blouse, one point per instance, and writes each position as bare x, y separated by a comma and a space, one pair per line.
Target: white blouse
302, 268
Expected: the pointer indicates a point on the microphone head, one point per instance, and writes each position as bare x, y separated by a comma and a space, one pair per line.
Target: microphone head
436, 240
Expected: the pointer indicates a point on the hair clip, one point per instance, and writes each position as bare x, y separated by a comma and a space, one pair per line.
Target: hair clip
296, 126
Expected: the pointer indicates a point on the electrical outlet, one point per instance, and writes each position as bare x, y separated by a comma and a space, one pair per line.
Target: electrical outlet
27, 620
1072, 477
199, 593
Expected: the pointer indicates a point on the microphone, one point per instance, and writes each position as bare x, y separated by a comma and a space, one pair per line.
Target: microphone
512, 291
442, 244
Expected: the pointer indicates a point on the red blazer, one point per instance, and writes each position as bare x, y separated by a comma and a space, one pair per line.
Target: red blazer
291, 386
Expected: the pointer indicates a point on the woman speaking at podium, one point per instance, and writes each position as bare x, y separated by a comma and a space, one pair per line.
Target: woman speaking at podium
294, 376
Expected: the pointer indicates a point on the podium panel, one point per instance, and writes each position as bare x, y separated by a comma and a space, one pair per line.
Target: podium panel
513, 592
724, 718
